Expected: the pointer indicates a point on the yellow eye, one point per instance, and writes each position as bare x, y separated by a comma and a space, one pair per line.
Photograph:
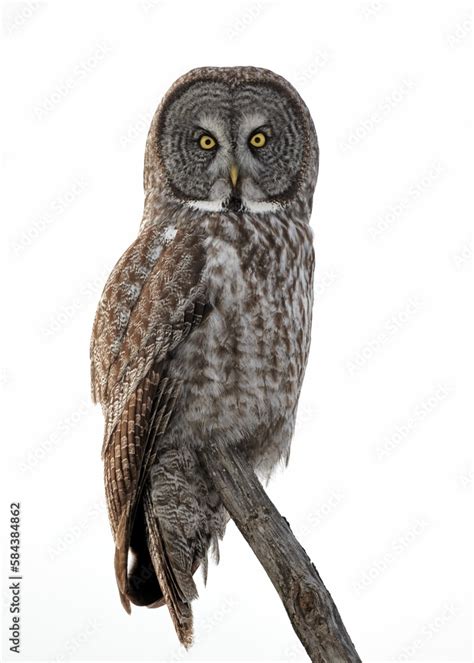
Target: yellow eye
258, 140
207, 142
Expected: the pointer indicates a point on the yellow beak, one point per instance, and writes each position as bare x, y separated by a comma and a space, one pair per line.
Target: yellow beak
234, 174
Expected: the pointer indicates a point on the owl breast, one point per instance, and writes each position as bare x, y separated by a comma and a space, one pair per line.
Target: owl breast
242, 369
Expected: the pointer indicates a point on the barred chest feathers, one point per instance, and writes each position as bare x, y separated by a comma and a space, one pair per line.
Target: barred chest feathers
244, 365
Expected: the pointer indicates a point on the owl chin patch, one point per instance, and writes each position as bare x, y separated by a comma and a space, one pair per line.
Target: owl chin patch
234, 204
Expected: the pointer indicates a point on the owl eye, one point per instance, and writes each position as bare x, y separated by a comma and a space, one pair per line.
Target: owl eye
258, 139
207, 142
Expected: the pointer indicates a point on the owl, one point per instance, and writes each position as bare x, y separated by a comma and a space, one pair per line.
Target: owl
202, 331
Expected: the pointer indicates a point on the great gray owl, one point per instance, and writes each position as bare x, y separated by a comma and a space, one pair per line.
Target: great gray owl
203, 328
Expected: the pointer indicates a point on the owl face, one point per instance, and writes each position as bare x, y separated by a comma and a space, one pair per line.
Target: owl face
227, 145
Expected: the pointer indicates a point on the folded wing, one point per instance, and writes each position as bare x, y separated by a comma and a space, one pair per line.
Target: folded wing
152, 300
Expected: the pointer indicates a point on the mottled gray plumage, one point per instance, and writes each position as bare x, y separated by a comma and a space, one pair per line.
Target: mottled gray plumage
203, 329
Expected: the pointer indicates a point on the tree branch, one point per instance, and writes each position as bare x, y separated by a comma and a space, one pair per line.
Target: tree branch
309, 605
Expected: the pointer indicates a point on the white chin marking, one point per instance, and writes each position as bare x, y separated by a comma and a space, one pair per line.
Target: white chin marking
255, 206
260, 206
206, 205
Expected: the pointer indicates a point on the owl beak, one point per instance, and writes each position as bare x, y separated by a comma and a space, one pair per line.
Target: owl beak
234, 174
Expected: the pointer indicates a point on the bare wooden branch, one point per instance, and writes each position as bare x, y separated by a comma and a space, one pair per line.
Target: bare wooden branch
309, 605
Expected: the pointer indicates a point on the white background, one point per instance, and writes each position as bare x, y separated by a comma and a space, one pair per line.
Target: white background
377, 489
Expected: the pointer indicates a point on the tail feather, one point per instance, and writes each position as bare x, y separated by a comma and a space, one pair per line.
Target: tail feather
151, 580
178, 605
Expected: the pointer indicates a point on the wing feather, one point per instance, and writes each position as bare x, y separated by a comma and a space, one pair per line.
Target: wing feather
151, 302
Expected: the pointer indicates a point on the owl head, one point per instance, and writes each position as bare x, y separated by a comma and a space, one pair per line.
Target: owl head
235, 139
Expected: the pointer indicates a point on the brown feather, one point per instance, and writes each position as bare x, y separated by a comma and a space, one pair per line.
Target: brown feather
179, 608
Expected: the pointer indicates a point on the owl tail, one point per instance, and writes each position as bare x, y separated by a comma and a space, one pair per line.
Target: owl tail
151, 580
140, 582
178, 603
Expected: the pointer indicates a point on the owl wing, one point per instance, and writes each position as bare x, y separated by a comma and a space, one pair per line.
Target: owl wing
152, 300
